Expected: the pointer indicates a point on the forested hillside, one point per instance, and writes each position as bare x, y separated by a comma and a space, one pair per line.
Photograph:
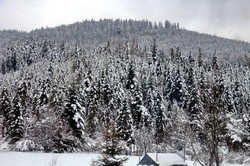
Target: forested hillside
159, 86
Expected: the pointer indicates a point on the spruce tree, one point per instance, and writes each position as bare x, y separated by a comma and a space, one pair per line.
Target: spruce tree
177, 90
200, 59
15, 123
3, 67
92, 109
131, 83
43, 98
154, 52
159, 117
136, 107
104, 89
110, 149
124, 124
5, 108
74, 112
215, 123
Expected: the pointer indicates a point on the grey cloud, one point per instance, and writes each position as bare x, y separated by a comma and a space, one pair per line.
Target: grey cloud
227, 18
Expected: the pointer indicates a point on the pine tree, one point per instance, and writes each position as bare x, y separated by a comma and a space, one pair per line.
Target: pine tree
238, 99
167, 84
23, 93
43, 98
74, 112
107, 49
92, 109
150, 102
56, 99
159, 117
3, 67
158, 69
167, 24
45, 49
154, 52
215, 65
246, 122
5, 108
215, 123
13, 58
131, 83
200, 60
15, 123
110, 149
124, 123
178, 55
105, 90
136, 107
177, 90
193, 103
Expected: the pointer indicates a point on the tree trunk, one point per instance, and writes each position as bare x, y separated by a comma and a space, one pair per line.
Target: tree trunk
216, 155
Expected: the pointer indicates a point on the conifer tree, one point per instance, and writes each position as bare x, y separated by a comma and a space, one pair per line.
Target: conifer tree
110, 149
56, 99
159, 117
177, 90
45, 49
43, 98
154, 52
23, 93
200, 60
238, 99
193, 103
131, 83
14, 63
92, 109
3, 67
124, 123
105, 90
15, 123
136, 107
215, 65
246, 122
167, 84
215, 123
74, 112
5, 108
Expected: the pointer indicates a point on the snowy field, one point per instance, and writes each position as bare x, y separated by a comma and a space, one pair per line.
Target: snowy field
66, 159
8, 158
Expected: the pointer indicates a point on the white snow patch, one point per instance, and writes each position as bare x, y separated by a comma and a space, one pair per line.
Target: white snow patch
236, 138
167, 159
3, 146
8, 158
25, 145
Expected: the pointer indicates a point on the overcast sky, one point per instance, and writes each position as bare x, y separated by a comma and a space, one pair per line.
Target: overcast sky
226, 18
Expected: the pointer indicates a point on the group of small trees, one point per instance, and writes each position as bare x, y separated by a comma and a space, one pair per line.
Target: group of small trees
12, 112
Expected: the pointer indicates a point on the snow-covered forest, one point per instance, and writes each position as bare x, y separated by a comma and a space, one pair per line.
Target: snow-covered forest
156, 86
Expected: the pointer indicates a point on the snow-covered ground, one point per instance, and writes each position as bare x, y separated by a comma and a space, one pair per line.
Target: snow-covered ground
8, 158
43, 159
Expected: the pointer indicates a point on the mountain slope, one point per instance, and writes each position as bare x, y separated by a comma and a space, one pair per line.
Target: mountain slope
63, 88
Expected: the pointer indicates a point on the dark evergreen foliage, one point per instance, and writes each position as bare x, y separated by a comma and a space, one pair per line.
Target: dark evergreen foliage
74, 113
15, 121
110, 149
5, 108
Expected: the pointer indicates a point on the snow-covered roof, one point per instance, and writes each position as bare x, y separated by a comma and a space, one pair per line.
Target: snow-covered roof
147, 160
167, 159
